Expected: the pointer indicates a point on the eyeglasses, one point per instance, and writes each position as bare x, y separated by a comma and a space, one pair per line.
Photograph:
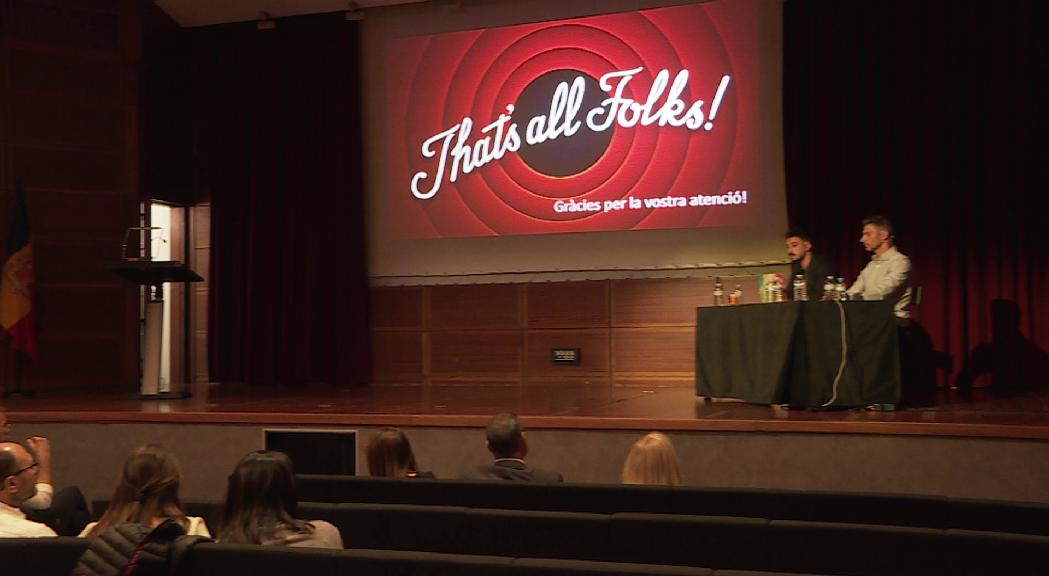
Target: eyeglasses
30, 467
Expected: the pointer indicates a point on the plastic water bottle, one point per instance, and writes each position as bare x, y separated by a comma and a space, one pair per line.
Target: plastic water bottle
777, 291
799, 288
737, 295
828, 288
839, 290
719, 293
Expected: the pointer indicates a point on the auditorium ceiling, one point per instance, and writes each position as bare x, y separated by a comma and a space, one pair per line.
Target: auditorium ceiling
189, 13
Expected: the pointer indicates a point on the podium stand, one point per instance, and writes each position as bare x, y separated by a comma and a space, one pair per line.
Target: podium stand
153, 274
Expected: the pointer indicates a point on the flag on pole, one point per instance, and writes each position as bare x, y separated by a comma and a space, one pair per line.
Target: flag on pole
17, 283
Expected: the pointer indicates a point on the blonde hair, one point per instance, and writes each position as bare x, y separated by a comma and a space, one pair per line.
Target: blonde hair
652, 460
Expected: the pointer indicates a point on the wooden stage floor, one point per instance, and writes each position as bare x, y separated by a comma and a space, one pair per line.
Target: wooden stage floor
548, 406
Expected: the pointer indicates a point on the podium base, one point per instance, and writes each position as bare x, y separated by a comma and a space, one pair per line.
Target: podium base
162, 396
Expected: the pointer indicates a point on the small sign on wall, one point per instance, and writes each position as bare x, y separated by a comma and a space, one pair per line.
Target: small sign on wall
567, 356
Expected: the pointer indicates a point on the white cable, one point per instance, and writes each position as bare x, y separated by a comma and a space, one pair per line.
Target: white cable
844, 355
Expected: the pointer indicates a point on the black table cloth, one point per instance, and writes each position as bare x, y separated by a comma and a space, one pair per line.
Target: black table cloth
790, 353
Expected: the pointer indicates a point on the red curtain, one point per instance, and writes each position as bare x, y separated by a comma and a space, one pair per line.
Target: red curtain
277, 149
932, 114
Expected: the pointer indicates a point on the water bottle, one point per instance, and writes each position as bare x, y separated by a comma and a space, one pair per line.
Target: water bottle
799, 288
828, 288
777, 290
737, 295
839, 290
719, 293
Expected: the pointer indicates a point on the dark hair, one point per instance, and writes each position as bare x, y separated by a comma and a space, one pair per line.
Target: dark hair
260, 500
879, 222
390, 454
147, 489
504, 434
799, 233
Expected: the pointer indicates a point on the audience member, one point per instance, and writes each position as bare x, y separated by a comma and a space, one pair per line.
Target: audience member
390, 455
813, 267
18, 472
887, 275
64, 511
508, 443
652, 460
147, 493
42, 448
261, 504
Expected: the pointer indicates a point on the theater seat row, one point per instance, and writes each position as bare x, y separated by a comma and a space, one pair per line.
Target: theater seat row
994, 553
851, 507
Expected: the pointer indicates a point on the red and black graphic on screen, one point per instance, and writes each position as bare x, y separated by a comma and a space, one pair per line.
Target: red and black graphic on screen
630, 121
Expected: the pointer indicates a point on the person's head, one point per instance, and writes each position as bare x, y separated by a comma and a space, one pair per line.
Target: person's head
260, 500
18, 473
652, 460
390, 454
877, 234
506, 437
147, 490
799, 245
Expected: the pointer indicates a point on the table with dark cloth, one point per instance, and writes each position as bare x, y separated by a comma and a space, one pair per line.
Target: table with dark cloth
790, 353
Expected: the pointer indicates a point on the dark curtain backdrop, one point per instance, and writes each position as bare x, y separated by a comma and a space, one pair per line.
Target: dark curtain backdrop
277, 150
932, 114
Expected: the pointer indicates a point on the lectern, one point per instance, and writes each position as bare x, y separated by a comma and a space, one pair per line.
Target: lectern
152, 274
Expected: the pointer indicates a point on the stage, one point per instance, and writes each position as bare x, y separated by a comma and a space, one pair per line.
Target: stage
973, 446
554, 406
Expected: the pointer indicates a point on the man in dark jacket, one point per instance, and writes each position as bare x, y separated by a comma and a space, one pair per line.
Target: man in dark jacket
509, 445
814, 267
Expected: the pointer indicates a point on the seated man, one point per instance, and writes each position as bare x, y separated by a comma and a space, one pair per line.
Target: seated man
813, 267
42, 448
509, 446
887, 275
66, 511
18, 477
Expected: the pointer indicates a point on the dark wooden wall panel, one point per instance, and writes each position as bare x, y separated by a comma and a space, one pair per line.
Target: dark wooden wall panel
55, 119
79, 169
658, 301
632, 332
595, 348
82, 310
476, 306
397, 307
200, 308
200, 357
87, 215
94, 26
199, 260
476, 353
41, 72
397, 356
76, 261
74, 359
567, 304
69, 133
653, 351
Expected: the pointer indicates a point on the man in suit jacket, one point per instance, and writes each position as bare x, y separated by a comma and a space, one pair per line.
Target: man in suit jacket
509, 445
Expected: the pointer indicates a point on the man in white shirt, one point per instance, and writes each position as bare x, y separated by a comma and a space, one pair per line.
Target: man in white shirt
18, 476
887, 275
42, 448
